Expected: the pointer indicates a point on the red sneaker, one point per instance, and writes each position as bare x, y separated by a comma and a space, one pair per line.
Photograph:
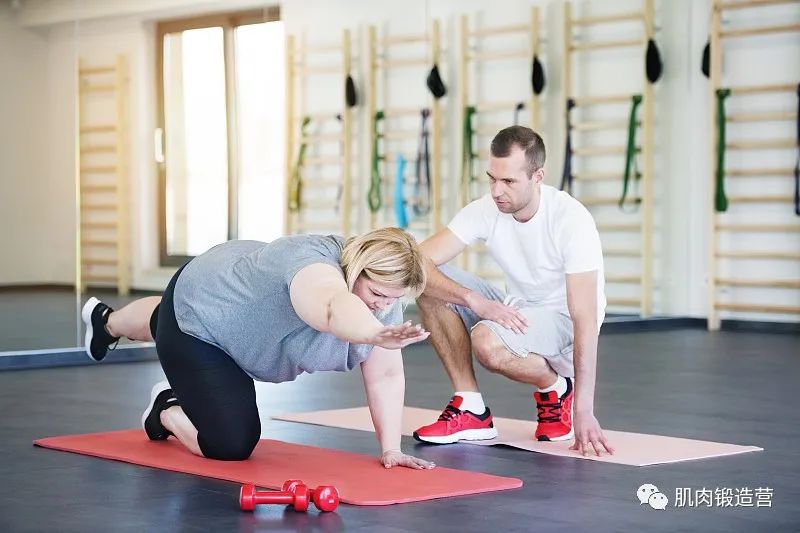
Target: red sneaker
455, 425
555, 414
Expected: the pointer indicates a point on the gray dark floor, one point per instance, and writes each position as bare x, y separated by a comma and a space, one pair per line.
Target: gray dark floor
732, 387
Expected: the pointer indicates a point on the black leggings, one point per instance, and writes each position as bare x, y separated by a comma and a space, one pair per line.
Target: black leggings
217, 396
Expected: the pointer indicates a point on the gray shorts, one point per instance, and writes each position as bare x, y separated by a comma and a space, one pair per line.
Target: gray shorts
549, 332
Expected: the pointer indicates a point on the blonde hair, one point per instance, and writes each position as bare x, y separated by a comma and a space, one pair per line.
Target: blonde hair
386, 255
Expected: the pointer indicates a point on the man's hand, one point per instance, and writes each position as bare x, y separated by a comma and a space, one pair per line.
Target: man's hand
507, 316
589, 437
391, 458
396, 337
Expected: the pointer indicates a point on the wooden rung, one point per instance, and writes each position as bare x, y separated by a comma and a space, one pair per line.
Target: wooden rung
321, 182
744, 32
399, 63
488, 130
321, 116
322, 137
759, 255
319, 204
86, 71
624, 279
99, 225
598, 176
419, 224
608, 19
601, 45
98, 188
100, 128
319, 48
760, 199
99, 262
98, 170
762, 117
757, 308
314, 70
759, 172
599, 100
758, 89
323, 160
769, 144
400, 134
308, 225
624, 302
743, 4
99, 148
618, 227
499, 30
622, 253
490, 107
601, 150
99, 207
491, 56
759, 228
597, 200
603, 125
775, 283
392, 159
98, 279
489, 274
404, 39
401, 112
97, 88
99, 242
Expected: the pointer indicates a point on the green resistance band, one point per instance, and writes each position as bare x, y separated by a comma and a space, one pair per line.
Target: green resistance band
296, 181
720, 200
468, 151
374, 197
630, 152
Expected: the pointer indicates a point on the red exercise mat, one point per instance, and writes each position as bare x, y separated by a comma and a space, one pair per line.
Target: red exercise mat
361, 479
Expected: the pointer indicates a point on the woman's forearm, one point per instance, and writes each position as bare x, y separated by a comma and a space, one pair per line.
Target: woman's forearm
385, 398
350, 319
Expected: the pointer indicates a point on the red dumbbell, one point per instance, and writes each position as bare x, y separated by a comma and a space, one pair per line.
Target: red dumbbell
325, 497
294, 493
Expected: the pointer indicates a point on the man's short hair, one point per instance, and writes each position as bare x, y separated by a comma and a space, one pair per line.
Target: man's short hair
526, 139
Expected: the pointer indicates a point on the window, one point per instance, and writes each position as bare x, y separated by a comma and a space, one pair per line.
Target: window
220, 141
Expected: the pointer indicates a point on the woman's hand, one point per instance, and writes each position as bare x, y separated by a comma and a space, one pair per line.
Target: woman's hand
396, 337
391, 458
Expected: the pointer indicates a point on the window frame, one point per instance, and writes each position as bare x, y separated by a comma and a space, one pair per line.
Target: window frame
228, 22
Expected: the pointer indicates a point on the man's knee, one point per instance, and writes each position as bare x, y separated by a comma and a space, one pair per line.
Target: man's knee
489, 349
427, 303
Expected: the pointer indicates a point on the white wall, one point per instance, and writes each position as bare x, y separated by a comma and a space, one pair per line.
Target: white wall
37, 212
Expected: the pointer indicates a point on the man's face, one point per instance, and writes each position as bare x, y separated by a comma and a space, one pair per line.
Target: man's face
511, 187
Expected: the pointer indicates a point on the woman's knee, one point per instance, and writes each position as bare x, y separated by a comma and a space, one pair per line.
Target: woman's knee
230, 445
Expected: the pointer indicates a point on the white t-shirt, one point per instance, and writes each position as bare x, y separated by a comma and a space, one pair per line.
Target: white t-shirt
536, 255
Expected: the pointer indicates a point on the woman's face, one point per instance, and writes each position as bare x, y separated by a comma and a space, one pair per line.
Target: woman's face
377, 296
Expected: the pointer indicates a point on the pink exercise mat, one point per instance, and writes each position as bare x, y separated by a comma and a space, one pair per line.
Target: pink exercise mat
635, 449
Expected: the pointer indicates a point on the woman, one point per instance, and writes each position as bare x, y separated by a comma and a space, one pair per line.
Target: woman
249, 310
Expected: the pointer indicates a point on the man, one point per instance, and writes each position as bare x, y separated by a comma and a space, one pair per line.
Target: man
548, 247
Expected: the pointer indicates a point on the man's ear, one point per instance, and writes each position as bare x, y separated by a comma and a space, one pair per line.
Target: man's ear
538, 176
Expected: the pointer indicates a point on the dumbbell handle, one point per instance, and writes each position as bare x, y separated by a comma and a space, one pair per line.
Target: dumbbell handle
286, 498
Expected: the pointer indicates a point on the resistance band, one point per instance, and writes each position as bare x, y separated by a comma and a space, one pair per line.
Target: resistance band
296, 180
630, 151
566, 174
720, 200
374, 199
468, 150
399, 189
422, 185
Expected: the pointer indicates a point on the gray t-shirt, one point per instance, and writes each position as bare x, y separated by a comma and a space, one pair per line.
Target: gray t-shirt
236, 297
